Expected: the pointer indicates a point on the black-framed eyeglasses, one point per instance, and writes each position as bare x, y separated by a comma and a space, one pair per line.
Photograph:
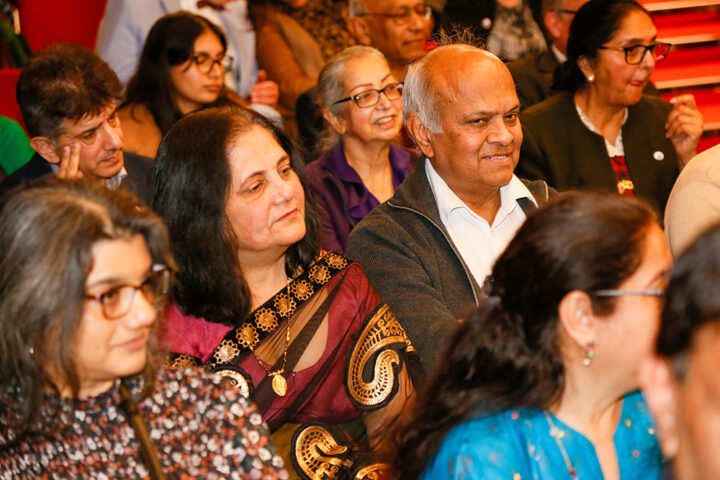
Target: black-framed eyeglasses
650, 292
635, 54
117, 301
403, 15
565, 10
205, 63
368, 98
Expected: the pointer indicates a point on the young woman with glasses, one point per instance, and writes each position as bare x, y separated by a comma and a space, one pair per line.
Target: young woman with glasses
362, 103
601, 131
84, 271
181, 69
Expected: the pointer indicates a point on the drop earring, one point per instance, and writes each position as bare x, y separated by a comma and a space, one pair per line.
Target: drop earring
589, 353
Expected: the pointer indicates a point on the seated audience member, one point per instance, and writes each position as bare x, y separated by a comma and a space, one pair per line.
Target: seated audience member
256, 298
126, 24
533, 74
67, 98
601, 132
294, 40
181, 70
694, 202
429, 248
15, 150
681, 382
362, 102
398, 28
541, 381
83, 273
511, 29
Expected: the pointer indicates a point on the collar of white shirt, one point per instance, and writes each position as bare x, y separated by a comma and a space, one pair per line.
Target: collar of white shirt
447, 201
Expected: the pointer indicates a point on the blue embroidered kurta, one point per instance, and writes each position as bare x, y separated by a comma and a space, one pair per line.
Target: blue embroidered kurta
516, 445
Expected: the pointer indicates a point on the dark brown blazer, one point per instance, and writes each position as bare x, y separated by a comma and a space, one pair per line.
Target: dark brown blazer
558, 148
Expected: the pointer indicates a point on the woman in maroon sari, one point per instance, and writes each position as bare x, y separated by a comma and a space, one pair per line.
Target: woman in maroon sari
299, 329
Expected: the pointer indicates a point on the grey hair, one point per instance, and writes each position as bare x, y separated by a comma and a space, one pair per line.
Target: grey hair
418, 94
331, 85
357, 8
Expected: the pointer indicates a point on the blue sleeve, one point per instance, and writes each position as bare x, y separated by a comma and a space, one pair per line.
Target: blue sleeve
484, 449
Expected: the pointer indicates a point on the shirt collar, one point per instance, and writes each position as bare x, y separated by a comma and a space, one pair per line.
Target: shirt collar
447, 201
561, 57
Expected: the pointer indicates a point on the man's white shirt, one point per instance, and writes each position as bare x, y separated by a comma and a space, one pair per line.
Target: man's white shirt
478, 242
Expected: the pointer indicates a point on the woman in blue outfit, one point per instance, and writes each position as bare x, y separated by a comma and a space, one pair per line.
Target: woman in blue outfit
541, 381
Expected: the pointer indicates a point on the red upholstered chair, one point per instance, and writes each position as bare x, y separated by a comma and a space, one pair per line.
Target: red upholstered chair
8, 106
44, 23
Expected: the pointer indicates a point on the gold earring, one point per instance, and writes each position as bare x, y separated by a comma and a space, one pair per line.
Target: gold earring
591, 78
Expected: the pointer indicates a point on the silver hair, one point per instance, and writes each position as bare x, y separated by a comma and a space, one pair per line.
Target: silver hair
357, 8
332, 87
418, 94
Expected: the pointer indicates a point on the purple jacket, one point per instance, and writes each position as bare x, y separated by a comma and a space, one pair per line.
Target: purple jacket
340, 195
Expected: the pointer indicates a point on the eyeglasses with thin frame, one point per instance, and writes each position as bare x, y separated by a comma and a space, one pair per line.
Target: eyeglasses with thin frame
205, 63
403, 15
650, 292
565, 10
635, 54
117, 301
369, 98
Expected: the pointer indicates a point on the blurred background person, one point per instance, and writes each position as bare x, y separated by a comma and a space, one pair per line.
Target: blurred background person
601, 132
294, 40
126, 23
681, 382
181, 69
362, 103
510, 29
541, 381
256, 296
15, 149
83, 272
694, 202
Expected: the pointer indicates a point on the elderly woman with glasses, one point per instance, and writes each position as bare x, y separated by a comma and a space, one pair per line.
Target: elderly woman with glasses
84, 271
600, 131
362, 103
181, 69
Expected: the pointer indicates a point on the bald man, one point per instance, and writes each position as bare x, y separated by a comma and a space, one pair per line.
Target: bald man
429, 248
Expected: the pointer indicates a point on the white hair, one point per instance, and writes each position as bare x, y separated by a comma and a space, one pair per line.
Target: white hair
418, 95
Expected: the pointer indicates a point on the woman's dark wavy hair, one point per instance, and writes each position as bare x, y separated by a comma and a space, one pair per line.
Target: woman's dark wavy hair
192, 183
692, 299
171, 42
594, 25
47, 231
507, 353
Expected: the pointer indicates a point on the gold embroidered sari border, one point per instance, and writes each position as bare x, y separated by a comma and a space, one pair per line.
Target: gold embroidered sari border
265, 319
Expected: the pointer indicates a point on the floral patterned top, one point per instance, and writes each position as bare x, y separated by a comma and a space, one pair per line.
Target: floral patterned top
200, 428
525, 444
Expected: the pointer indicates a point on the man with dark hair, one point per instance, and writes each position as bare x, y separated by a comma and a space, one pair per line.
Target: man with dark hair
67, 97
680, 382
533, 74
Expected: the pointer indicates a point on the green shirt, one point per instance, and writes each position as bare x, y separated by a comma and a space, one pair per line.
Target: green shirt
15, 148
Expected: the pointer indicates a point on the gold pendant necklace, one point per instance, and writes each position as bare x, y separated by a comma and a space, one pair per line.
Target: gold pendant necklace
279, 384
